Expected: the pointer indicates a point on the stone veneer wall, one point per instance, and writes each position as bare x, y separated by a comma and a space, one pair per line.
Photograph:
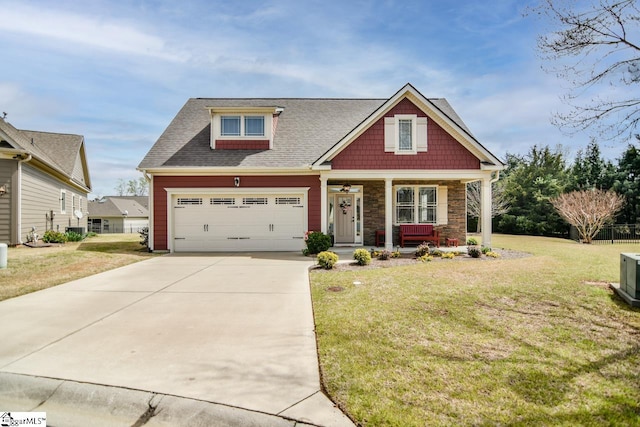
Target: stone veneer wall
374, 210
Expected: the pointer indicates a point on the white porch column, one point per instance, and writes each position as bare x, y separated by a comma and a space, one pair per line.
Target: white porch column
485, 212
388, 214
323, 204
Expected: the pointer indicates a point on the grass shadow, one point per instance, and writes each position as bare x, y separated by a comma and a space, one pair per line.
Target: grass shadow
126, 248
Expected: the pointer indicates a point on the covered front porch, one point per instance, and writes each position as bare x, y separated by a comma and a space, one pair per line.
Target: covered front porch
367, 210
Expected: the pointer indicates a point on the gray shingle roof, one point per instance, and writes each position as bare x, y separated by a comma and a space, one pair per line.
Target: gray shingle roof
58, 150
135, 206
306, 129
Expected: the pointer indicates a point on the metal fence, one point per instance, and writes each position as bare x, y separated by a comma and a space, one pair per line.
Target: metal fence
612, 234
115, 229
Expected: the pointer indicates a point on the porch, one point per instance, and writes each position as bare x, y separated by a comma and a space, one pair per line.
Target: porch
359, 212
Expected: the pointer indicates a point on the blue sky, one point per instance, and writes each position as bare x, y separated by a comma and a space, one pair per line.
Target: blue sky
118, 71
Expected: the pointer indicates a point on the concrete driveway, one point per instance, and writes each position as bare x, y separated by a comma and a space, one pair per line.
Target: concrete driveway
231, 334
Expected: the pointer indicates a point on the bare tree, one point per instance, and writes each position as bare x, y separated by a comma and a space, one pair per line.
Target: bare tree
588, 210
595, 51
133, 187
499, 201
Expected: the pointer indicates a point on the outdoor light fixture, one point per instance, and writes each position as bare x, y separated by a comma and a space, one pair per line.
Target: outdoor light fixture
3, 190
236, 181
346, 188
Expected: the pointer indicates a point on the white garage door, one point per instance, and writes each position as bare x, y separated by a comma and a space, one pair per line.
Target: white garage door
238, 222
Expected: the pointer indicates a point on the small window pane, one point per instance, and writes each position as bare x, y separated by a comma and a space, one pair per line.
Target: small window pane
230, 125
404, 214
254, 126
404, 195
428, 215
405, 135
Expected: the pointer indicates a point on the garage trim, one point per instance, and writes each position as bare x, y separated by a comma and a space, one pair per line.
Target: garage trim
171, 192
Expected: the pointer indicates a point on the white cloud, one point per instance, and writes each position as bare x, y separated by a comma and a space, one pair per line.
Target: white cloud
90, 31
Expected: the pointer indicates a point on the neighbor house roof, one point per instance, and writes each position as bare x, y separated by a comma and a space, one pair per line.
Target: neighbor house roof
306, 129
116, 206
65, 153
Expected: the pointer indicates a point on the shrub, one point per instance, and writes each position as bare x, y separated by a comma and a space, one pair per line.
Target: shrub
51, 236
72, 236
91, 234
362, 256
384, 255
422, 250
144, 236
396, 254
317, 242
485, 250
492, 254
474, 252
327, 259
472, 241
448, 255
426, 258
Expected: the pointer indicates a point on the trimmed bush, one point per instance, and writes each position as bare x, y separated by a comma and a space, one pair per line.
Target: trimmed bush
422, 250
472, 241
474, 252
72, 236
327, 259
362, 256
317, 242
51, 236
485, 249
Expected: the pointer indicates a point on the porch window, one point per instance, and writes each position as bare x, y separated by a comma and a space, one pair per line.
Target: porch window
416, 205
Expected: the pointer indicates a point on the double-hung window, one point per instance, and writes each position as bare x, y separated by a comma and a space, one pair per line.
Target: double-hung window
416, 205
242, 125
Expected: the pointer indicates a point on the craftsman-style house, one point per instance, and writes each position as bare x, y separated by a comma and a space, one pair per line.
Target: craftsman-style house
256, 174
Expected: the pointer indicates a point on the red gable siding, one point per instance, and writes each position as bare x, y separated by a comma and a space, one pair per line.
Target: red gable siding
242, 144
160, 196
367, 151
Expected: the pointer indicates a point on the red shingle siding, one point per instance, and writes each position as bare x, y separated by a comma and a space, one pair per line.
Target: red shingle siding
232, 144
160, 195
367, 151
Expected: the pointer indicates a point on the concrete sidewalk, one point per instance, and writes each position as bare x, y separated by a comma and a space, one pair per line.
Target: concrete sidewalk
204, 332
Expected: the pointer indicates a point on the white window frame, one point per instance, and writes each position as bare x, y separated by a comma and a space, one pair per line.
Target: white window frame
414, 129
73, 204
63, 201
416, 207
243, 127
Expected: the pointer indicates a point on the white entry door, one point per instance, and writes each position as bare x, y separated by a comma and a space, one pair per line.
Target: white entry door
345, 218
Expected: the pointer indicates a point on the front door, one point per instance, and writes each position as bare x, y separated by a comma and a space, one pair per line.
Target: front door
345, 218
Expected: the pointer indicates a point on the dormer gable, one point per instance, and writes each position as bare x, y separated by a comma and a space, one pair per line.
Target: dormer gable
243, 128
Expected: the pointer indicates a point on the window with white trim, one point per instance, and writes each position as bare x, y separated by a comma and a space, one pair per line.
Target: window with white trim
405, 134
246, 125
416, 204
63, 201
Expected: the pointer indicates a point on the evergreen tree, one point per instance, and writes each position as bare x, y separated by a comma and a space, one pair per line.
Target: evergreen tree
627, 184
590, 170
530, 182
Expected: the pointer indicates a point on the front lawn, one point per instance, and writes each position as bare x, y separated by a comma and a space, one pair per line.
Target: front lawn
33, 269
539, 340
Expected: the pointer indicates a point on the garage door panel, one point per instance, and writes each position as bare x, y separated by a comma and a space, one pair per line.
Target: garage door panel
238, 222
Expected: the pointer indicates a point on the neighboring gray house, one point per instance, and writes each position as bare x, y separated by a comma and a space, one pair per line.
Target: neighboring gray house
44, 182
119, 214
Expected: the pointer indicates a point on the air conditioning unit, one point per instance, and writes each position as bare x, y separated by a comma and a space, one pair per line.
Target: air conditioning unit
630, 278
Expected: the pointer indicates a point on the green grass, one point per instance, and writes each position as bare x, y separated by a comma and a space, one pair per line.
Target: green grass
527, 341
32, 269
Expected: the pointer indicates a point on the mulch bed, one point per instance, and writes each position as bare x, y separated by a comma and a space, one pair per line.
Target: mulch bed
408, 259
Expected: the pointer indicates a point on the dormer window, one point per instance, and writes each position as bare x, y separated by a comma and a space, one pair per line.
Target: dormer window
243, 128
241, 125
230, 125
